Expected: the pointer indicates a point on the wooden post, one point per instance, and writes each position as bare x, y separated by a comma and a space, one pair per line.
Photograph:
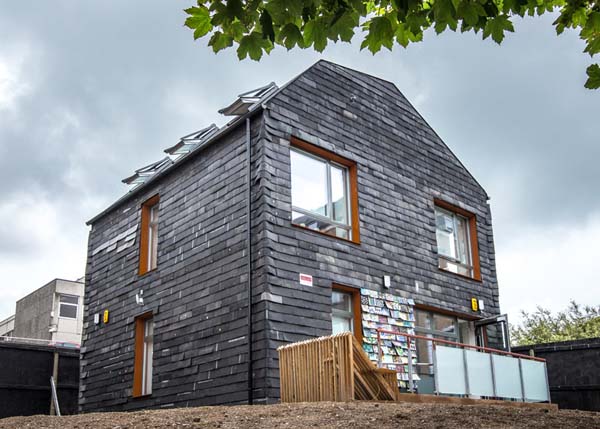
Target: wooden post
55, 378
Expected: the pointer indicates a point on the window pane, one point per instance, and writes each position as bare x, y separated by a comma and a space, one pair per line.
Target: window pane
341, 301
154, 213
68, 310
462, 240
338, 195
422, 319
309, 183
445, 233
153, 243
340, 324
321, 225
454, 268
424, 356
69, 299
444, 324
148, 357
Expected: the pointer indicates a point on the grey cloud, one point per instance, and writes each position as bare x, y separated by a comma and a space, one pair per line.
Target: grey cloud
114, 83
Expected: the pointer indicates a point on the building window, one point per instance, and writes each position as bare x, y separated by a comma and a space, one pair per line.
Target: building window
435, 325
149, 236
324, 191
345, 311
68, 306
144, 351
456, 236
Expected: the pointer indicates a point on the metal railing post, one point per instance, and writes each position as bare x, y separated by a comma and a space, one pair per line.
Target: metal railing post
547, 383
493, 376
466, 369
379, 353
521, 378
410, 367
435, 370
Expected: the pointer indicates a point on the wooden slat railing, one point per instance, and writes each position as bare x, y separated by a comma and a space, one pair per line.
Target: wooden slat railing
333, 368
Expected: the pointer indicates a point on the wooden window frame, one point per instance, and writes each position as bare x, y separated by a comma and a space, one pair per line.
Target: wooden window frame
473, 240
144, 235
356, 308
138, 358
353, 185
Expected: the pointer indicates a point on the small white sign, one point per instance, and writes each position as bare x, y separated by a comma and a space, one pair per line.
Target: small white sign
306, 280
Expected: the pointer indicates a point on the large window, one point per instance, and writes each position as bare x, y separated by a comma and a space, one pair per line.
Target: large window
323, 191
435, 325
68, 306
456, 235
144, 351
345, 311
149, 236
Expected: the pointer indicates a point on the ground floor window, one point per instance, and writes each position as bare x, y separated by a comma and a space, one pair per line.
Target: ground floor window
440, 326
345, 311
144, 352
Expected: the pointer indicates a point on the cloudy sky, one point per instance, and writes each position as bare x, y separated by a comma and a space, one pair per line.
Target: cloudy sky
89, 94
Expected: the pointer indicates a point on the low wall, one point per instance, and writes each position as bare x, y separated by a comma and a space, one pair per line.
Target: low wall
25, 379
573, 371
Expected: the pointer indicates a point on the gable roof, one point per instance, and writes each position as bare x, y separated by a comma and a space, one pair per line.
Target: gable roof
356, 74
245, 106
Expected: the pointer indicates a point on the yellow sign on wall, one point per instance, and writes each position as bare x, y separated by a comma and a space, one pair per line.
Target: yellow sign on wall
474, 304
105, 316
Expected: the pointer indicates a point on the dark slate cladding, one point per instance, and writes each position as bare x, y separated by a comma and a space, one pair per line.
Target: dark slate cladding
402, 166
198, 293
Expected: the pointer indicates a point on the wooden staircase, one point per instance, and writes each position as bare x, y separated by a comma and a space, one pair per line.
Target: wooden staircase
333, 368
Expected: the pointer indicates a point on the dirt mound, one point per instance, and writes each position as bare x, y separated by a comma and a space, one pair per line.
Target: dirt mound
321, 415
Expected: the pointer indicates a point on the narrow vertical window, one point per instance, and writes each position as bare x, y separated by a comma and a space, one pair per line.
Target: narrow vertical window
149, 236
144, 352
345, 311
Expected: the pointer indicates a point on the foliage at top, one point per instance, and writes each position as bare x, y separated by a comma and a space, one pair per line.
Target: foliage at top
256, 26
575, 323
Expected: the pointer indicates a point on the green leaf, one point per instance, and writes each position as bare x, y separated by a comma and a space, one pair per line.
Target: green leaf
199, 21
290, 36
496, 27
380, 34
444, 14
471, 11
253, 45
220, 41
344, 27
593, 81
267, 25
235, 9
315, 33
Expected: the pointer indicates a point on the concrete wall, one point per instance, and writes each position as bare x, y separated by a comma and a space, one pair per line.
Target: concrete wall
67, 329
33, 313
7, 326
37, 315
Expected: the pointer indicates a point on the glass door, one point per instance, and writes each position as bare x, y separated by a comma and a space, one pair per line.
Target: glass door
493, 333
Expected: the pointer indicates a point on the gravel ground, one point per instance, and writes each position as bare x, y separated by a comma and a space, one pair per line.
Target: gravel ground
322, 415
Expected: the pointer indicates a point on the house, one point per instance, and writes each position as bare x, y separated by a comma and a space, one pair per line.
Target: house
324, 205
53, 313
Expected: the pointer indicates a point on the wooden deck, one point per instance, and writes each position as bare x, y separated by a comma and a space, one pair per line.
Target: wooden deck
336, 368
